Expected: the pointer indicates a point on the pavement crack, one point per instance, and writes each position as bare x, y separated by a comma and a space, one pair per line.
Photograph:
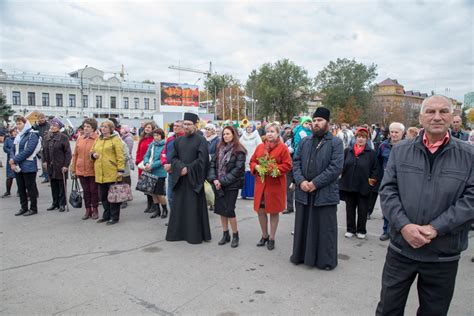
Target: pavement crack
103, 253
148, 305
72, 307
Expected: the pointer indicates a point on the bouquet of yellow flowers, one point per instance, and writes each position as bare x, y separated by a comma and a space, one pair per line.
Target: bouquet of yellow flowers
267, 166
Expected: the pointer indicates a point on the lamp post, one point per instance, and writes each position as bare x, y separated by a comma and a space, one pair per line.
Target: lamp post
82, 94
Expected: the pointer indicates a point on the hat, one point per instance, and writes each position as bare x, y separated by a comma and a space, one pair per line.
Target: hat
188, 116
211, 126
305, 119
56, 121
362, 130
295, 119
322, 113
286, 126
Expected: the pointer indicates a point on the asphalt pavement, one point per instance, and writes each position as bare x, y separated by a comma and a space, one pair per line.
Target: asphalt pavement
57, 264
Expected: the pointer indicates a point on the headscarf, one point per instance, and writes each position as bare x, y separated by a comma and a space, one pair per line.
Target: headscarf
57, 122
22, 132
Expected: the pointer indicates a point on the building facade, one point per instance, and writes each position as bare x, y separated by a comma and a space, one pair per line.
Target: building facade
84, 93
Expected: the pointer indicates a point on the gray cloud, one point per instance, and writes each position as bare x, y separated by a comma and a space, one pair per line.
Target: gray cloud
426, 45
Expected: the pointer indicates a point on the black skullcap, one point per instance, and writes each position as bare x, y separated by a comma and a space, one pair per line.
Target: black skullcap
323, 113
191, 117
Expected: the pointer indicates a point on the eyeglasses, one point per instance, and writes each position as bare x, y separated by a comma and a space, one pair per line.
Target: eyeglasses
188, 124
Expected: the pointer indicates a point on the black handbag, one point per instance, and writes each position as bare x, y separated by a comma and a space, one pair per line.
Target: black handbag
147, 182
75, 198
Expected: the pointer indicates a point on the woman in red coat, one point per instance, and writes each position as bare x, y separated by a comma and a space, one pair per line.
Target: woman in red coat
270, 195
146, 137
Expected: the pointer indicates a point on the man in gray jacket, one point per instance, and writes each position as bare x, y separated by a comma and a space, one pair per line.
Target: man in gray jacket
427, 195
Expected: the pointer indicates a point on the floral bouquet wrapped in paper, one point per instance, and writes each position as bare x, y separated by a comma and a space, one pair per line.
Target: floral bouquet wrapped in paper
267, 167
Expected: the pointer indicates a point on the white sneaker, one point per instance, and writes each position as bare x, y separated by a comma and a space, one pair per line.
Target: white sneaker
348, 235
360, 236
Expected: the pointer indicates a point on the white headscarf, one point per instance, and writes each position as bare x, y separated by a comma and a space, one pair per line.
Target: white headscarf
26, 128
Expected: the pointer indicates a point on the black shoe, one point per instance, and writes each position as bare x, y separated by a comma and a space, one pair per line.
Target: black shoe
149, 209
61, 208
263, 241
111, 222
156, 211
271, 244
235, 240
384, 237
102, 220
225, 238
30, 212
6, 194
288, 211
21, 212
123, 205
45, 181
164, 214
52, 208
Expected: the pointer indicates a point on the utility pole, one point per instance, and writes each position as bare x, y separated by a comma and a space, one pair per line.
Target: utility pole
82, 93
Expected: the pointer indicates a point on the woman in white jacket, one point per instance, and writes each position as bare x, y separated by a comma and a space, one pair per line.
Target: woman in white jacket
250, 139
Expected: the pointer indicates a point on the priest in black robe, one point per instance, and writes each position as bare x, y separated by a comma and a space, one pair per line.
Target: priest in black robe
189, 218
317, 165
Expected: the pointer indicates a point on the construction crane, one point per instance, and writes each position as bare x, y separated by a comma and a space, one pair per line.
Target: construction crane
207, 73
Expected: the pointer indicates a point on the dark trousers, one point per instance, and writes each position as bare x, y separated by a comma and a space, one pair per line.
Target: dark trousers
290, 194
435, 285
91, 191
372, 200
58, 192
26, 183
169, 190
111, 210
356, 203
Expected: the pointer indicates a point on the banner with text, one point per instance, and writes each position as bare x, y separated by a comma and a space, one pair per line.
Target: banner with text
175, 94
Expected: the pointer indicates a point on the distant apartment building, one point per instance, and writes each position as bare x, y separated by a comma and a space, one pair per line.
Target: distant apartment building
83, 93
469, 100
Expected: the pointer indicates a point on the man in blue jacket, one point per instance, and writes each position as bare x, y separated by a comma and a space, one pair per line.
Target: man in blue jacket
427, 195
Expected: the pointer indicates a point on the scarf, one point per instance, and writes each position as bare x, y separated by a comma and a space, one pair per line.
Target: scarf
247, 137
358, 149
225, 152
269, 146
210, 138
20, 134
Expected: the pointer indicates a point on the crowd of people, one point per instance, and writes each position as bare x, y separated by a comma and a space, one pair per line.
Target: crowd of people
424, 178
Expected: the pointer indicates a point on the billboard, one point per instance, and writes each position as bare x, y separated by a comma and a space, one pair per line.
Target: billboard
176, 94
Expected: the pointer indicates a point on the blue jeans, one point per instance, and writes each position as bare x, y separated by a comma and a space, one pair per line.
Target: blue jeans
385, 225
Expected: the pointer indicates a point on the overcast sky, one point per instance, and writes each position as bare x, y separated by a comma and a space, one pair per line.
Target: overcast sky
426, 45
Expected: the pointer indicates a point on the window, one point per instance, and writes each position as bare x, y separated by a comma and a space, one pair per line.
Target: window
98, 101
125, 102
154, 104
59, 100
136, 101
85, 101
31, 99
45, 99
72, 100
113, 102
147, 103
16, 98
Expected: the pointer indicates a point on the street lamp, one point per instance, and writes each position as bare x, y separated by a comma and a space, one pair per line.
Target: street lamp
82, 94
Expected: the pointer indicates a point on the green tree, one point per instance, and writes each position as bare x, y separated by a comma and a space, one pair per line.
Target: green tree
281, 88
148, 81
347, 83
5, 109
215, 83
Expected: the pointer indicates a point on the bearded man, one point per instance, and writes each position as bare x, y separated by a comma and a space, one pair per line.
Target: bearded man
189, 218
316, 167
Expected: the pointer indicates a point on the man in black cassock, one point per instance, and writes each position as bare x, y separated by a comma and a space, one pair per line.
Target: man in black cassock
189, 219
317, 165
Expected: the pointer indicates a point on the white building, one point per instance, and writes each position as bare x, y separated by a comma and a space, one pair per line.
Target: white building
61, 95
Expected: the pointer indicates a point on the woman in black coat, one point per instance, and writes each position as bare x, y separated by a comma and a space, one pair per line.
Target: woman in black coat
226, 174
359, 176
56, 159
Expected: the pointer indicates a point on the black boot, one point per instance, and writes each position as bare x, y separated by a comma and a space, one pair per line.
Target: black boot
156, 211
225, 238
21, 212
235, 240
164, 214
149, 208
9, 187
